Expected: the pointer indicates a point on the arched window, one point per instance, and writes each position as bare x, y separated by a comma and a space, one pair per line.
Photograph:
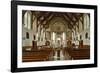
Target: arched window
80, 26
27, 35
27, 20
80, 37
86, 35
86, 21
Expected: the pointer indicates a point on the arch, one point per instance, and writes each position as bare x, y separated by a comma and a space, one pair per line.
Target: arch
86, 21
27, 19
58, 24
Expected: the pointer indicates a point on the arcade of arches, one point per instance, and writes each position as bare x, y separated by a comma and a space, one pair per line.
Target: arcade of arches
50, 36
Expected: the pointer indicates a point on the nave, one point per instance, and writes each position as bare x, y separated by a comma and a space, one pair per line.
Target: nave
55, 36
49, 54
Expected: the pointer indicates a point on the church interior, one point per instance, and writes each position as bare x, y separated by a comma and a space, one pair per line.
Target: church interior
55, 36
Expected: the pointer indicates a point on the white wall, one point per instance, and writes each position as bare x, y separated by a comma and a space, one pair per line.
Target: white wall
85, 41
86, 23
25, 41
5, 48
82, 32
32, 31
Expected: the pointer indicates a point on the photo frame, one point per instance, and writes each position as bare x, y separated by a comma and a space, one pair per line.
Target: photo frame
56, 9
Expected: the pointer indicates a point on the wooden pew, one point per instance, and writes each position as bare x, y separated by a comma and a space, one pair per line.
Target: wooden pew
36, 55
77, 53
80, 53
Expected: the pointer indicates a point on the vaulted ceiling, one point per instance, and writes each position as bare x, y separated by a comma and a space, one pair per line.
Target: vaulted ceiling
71, 18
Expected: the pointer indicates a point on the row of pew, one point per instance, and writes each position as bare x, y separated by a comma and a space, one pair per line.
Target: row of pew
78, 53
37, 55
44, 53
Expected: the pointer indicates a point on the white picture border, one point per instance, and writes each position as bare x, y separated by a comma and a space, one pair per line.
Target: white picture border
53, 63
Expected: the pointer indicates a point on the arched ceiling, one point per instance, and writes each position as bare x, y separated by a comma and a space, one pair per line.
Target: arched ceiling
58, 24
44, 17
70, 18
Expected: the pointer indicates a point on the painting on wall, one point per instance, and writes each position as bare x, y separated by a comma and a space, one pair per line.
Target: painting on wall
49, 36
